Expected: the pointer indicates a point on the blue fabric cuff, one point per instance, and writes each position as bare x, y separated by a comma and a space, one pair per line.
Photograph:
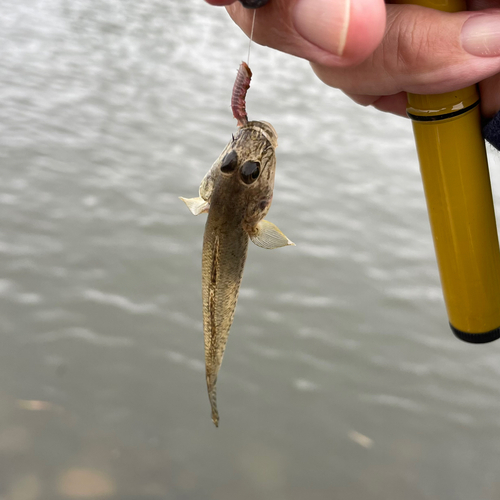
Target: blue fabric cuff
491, 131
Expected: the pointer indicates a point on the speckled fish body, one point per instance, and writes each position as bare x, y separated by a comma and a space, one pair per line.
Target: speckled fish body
237, 193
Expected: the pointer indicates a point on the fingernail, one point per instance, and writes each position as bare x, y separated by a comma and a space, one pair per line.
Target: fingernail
481, 35
323, 23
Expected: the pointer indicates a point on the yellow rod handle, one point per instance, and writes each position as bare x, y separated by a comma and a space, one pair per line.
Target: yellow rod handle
454, 167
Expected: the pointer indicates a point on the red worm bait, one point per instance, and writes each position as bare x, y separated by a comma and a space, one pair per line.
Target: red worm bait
241, 85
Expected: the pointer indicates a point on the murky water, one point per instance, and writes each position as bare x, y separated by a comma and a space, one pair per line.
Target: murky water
341, 377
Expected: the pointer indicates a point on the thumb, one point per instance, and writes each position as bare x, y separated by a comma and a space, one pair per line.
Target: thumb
332, 32
424, 51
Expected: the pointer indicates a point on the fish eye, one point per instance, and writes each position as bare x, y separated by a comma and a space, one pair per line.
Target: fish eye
250, 171
229, 163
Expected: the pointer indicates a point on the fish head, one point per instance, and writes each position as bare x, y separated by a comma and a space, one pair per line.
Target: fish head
243, 175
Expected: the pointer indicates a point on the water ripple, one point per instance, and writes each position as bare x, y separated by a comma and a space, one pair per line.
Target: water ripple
85, 335
393, 401
118, 301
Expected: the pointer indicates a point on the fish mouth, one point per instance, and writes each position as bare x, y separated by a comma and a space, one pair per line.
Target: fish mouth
267, 130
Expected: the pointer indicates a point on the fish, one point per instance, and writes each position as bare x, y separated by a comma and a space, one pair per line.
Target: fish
236, 193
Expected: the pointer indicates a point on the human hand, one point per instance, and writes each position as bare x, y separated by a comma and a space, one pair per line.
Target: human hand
375, 53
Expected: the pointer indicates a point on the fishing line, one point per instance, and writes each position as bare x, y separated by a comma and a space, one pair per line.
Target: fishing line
251, 37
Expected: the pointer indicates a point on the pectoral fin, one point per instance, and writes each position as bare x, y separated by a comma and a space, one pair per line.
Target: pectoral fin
197, 205
267, 235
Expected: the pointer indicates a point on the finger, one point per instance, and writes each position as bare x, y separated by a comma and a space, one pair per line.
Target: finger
424, 51
333, 32
395, 104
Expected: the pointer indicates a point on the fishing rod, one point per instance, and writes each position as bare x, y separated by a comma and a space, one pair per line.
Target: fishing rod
454, 168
